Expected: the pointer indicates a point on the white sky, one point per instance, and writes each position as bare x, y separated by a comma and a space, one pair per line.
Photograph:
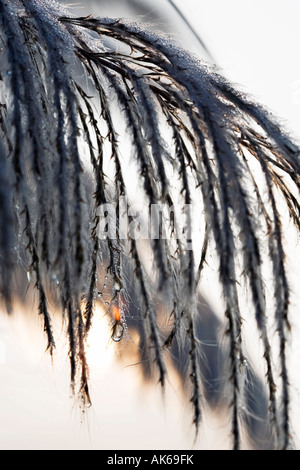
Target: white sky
257, 46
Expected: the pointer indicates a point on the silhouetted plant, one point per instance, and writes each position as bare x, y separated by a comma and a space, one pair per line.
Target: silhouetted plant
85, 96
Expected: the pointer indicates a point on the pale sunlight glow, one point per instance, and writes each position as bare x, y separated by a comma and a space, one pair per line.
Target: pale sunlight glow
255, 46
100, 351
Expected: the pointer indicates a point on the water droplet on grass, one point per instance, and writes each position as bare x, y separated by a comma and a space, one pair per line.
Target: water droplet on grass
118, 332
117, 286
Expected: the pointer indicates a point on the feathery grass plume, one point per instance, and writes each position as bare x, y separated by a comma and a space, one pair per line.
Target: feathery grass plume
97, 111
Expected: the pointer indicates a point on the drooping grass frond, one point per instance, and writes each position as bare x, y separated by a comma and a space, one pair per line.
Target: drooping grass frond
97, 113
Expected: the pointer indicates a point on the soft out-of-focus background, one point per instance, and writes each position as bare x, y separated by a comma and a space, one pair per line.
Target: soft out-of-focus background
255, 45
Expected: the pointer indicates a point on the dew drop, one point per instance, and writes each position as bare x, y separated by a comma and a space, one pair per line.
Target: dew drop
55, 279
118, 332
107, 304
104, 286
100, 295
9, 73
117, 286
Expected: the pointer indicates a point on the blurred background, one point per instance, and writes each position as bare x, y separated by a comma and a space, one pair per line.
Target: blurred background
255, 44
